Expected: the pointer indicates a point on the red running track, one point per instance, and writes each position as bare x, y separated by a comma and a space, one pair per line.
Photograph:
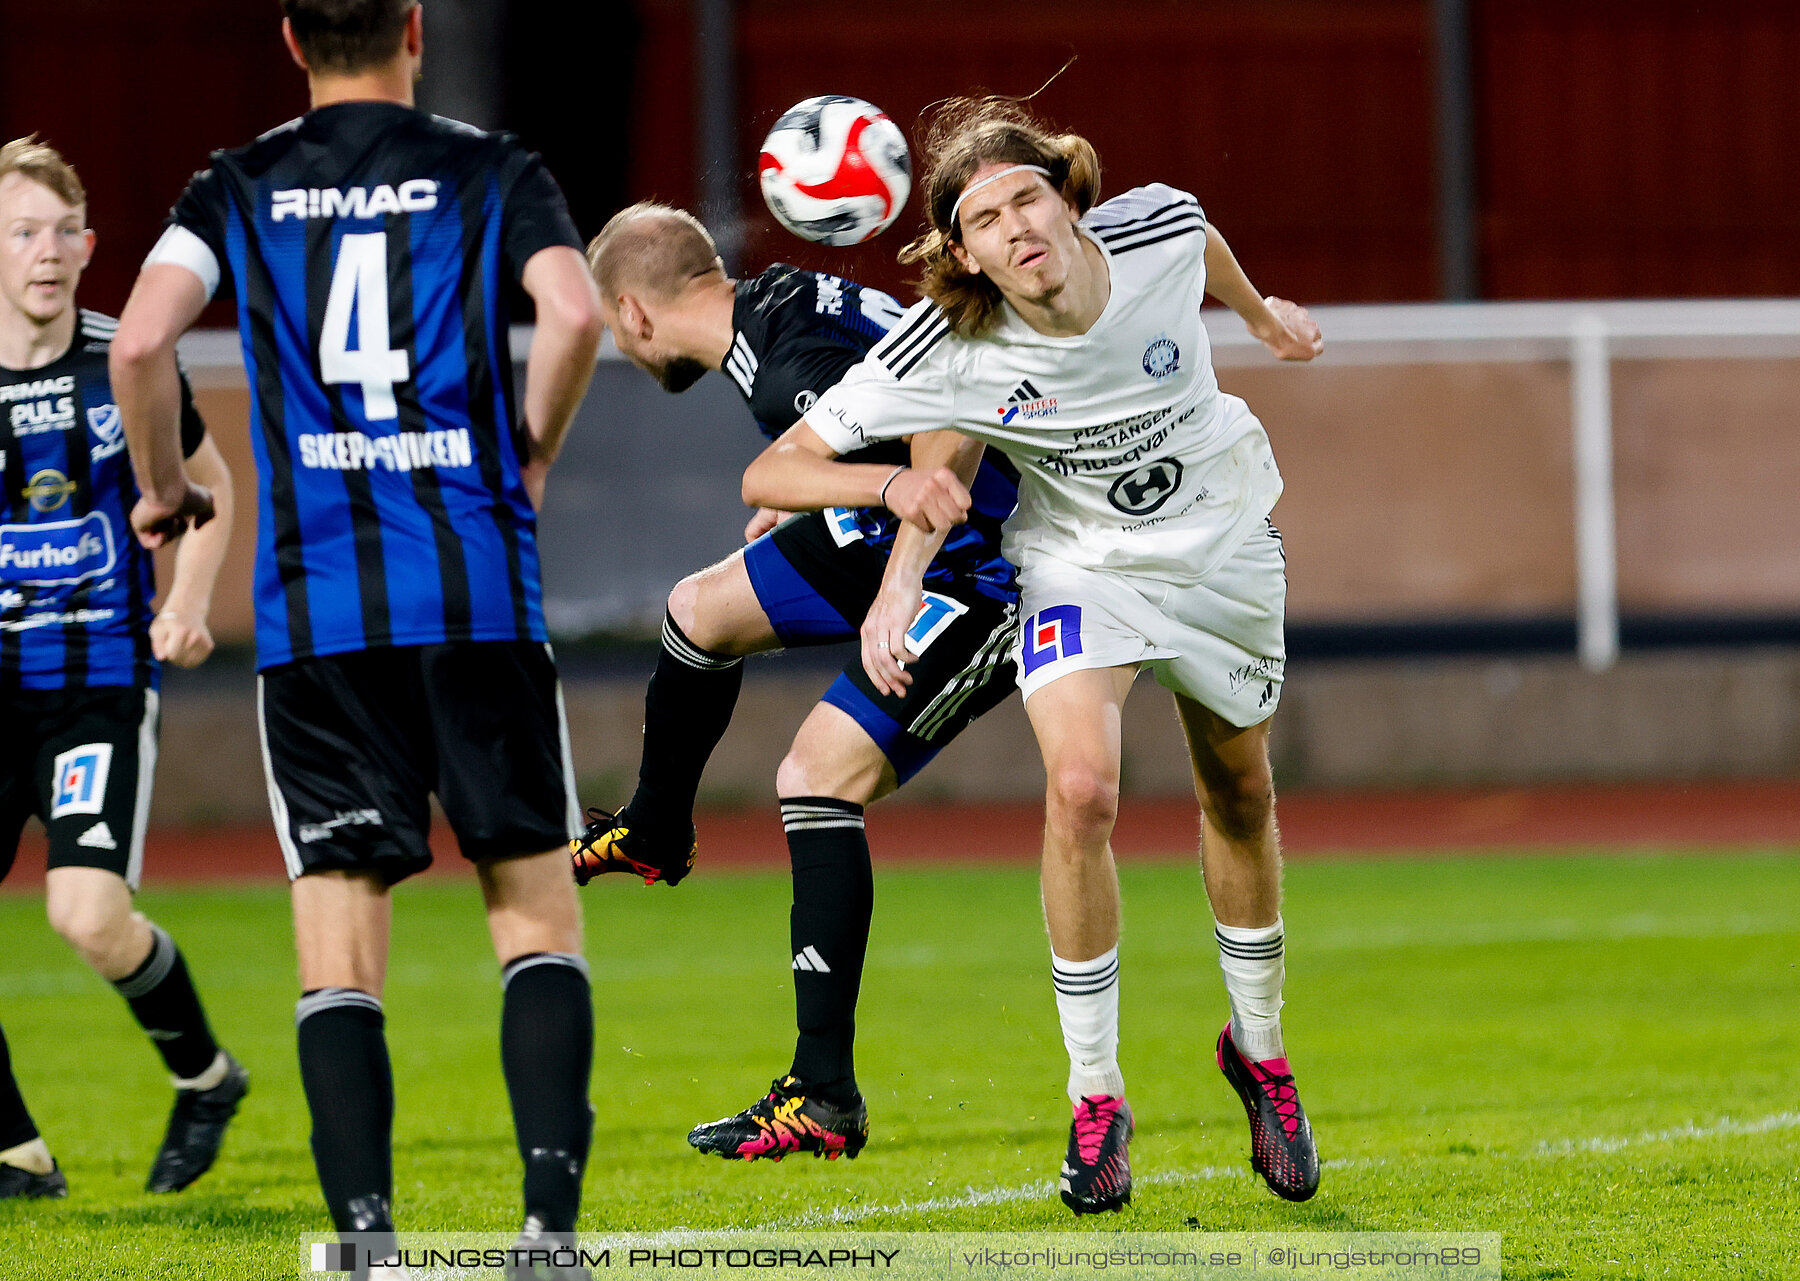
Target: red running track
1314, 824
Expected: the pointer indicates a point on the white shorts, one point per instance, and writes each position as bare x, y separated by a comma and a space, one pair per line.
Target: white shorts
1219, 641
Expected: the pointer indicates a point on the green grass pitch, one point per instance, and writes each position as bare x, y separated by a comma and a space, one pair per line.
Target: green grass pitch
1598, 1057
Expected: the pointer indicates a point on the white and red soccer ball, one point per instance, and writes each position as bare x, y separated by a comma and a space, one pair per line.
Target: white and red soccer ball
835, 170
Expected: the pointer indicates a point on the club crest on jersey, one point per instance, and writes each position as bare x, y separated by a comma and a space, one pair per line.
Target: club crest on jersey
1162, 357
1026, 403
416, 195
1049, 635
105, 423
79, 780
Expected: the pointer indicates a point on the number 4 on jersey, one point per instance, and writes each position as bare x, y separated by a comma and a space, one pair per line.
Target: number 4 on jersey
359, 283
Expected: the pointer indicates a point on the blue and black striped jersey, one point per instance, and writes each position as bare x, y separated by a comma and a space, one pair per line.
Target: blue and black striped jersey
370, 248
797, 333
75, 587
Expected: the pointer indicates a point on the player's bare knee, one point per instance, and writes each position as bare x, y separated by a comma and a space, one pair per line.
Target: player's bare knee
793, 777
806, 770
684, 607
1241, 807
1083, 803
692, 606
93, 928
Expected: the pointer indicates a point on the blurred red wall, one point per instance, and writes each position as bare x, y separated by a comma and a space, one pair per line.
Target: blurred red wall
1625, 147
136, 96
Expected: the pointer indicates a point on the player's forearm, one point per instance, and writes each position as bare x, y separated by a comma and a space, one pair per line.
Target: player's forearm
145, 380
913, 549
912, 554
561, 361
557, 372
201, 552
1227, 281
147, 388
799, 473
932, 449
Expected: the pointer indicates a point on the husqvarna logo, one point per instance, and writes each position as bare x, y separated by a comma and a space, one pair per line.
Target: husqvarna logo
1141, 492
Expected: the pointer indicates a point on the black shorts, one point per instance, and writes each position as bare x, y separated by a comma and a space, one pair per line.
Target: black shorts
82, 760
816, 592
355, 744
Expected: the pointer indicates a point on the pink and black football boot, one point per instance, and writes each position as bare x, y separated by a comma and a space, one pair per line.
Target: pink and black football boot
1096, 1173
1281, 1138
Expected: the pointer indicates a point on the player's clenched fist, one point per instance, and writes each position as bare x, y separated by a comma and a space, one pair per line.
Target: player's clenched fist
1292, 333
157, 522
931, 500
180, 639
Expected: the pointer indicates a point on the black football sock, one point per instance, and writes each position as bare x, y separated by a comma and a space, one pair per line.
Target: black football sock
350, 1093
15, 1121
834, 896
687, 708
163, 1000
547, 1052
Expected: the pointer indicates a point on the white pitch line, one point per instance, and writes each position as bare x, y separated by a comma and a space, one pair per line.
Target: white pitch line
974, 1198
1726, 1125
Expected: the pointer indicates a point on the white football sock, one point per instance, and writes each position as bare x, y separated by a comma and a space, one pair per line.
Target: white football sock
1087, 1002
32, 1155
214, 1075
1252, 958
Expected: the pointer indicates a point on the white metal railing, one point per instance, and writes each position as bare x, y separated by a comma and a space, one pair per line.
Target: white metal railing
1588, 336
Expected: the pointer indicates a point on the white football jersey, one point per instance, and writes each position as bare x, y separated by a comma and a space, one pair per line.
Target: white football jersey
1131, 458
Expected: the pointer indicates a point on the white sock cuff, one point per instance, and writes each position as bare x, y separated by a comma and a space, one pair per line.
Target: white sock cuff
1251, 942
683, 650
1085, 978
519, 964
333, 998
214, 1075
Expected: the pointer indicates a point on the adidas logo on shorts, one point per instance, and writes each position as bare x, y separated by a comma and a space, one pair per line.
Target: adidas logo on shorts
97, 837
809, 959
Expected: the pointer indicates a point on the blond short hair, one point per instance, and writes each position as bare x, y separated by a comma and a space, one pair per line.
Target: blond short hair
651, 247
44, 165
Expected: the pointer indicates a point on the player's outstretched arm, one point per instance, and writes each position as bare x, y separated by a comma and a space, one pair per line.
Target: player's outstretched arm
179, 634
800, 472
884, 627
561, 361
147, 386
1283, 327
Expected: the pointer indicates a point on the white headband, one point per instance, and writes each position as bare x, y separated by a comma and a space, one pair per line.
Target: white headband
974, 187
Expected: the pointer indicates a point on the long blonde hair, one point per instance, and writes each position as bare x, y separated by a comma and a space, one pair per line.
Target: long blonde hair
959, 136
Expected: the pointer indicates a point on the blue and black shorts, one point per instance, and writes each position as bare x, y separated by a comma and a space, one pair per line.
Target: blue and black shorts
816, 578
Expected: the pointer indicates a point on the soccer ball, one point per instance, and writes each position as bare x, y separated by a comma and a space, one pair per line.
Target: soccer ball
835, 170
